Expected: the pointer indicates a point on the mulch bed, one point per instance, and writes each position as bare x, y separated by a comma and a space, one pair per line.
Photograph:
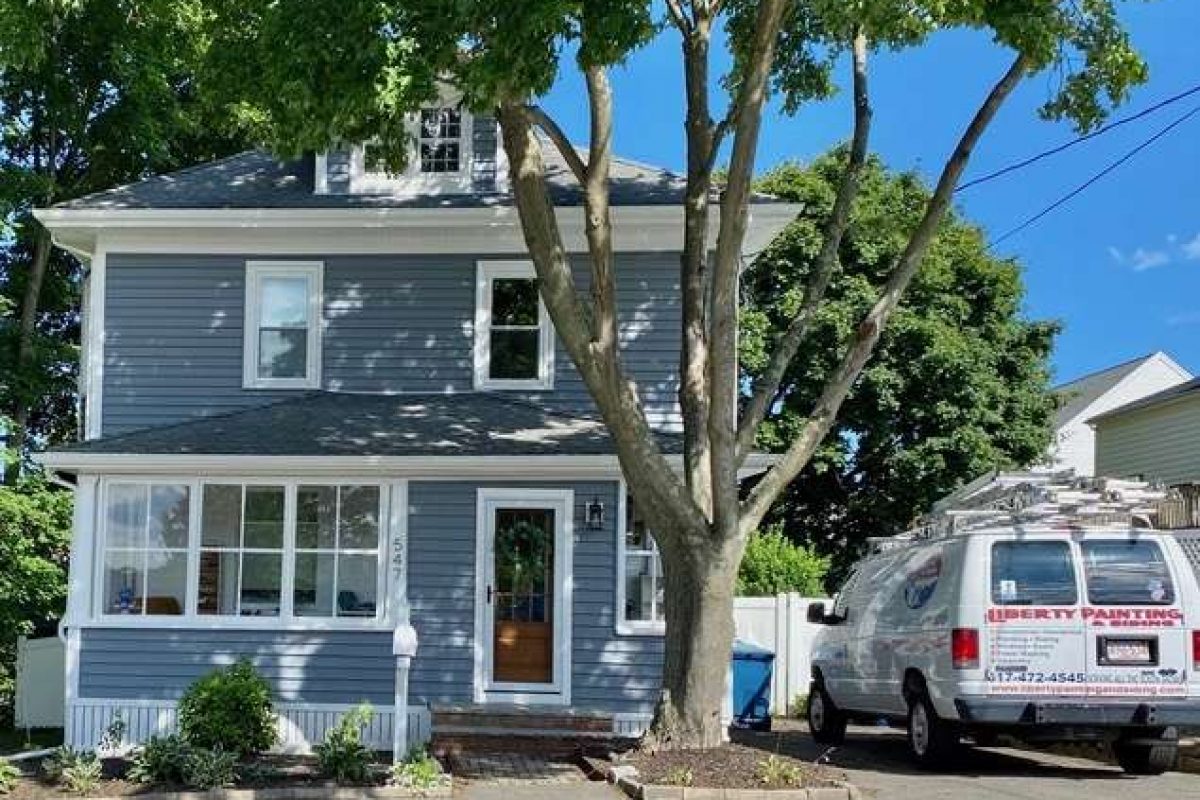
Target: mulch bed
275, 772
731, 766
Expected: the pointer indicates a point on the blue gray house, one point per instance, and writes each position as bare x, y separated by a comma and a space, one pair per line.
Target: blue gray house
329, 427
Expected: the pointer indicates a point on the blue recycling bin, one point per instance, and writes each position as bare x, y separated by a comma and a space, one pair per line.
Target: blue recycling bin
752, 668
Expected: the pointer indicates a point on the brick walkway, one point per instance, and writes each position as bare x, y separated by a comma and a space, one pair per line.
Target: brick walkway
513, 768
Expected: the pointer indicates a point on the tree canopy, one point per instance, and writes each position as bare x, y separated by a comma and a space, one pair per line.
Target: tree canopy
959, 382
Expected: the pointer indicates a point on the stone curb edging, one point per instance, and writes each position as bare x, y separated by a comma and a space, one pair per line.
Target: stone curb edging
294, 793
625, 778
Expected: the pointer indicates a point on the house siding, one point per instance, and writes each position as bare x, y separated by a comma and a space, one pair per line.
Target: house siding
1159, 443
609, 672
395, 324
325, 667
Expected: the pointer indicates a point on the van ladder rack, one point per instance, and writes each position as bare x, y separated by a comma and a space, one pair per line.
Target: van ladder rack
1059, 499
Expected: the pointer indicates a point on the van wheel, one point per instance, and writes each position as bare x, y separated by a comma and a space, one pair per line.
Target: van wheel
1151, 755
826, 722
930, 739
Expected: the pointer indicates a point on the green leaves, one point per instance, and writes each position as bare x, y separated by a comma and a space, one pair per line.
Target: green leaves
958, 385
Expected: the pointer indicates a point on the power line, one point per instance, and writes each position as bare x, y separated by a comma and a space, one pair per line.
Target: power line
1086, 137
1098, 176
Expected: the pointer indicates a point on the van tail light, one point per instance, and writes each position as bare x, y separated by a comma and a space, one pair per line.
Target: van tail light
964, 648
1196, 649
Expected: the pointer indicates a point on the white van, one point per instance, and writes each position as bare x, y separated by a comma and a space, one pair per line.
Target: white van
1028, 606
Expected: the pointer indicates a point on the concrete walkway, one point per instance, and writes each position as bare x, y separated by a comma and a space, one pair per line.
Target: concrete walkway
537, 791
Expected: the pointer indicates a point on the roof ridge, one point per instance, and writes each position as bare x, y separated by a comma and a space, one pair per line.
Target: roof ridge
1111, 368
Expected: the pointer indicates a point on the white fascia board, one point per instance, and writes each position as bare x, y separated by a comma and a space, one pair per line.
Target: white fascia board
551, 466
291, 231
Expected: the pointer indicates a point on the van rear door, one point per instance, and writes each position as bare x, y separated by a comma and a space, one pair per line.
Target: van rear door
1035, 633
1138, 643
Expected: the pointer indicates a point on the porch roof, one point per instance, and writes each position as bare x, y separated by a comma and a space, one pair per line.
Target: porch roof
343, 424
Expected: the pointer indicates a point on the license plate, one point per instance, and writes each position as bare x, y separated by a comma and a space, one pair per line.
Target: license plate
1131, 651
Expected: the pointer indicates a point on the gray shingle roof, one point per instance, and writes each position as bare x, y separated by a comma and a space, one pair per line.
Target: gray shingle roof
1082, 392
256, 179
1166, 395
340, 424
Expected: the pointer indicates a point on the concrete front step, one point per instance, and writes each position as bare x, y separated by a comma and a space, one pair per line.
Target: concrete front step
492, 719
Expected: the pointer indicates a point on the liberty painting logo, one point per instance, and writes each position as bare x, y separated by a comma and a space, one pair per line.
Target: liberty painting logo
922, 582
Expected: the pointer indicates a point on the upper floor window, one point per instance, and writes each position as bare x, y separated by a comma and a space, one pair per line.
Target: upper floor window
282, 347
639, 574
440, 161
514, 340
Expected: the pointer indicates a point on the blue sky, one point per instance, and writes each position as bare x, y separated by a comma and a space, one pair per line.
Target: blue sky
1119, 266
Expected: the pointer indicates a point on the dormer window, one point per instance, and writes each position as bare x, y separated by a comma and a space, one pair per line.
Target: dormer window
440, 161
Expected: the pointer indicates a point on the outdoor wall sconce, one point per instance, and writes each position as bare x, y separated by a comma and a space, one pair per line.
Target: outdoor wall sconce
593, 514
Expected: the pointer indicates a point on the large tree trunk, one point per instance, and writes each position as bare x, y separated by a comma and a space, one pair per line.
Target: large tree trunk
26, 332
699, 637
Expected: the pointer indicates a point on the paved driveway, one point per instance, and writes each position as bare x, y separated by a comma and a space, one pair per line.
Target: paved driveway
876, 761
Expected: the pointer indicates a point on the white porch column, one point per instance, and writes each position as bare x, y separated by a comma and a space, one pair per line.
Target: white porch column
404, 636
79, 590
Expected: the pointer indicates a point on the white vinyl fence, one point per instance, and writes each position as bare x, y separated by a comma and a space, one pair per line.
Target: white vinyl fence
41, 680
780, 624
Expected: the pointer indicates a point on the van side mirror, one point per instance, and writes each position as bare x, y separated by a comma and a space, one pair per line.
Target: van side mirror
817, 615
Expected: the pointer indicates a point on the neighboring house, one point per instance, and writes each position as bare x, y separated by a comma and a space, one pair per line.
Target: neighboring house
1074, 440
324, 407
1157, 438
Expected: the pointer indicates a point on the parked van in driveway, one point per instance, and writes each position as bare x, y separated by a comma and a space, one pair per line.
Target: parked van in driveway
1029, 605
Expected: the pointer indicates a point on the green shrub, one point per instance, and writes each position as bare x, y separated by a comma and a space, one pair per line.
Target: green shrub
205, 768
82, 775
679, 775
229, 709
775, 772
160, 760
58, 762
343, 756
420, 771
774, 564
8, 776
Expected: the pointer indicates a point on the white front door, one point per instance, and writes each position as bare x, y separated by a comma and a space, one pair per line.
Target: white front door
523, 595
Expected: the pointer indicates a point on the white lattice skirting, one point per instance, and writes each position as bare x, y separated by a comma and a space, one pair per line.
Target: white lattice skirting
301, 725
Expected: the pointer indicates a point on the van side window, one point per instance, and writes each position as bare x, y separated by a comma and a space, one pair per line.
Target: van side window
841, 603
1126, 573
1033, 574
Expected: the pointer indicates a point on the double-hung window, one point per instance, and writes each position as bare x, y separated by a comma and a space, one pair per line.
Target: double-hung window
282, 347
640, 577
145, 562
439, 161
257, 552
337, 551
514, 339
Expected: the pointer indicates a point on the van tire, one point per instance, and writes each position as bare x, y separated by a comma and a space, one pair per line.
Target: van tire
826, 722
931, 740
1147, 758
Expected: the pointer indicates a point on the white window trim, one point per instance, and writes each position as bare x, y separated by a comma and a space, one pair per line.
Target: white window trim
256, 271
413, 181
627, 627
486, 272
386, 606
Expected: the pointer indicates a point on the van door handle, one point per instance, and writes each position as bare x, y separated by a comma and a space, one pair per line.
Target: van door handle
489, 595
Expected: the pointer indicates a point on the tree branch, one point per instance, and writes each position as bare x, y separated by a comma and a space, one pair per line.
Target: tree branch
598, 222
839, 384
679, 17
561, 142
723, 289
767, 386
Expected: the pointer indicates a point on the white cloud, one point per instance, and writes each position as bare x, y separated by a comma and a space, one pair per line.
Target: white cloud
1116, 254
1191, 250
1143, 259
1186, 318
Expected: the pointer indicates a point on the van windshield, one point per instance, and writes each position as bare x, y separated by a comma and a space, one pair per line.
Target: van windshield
1126, 573
1033, 574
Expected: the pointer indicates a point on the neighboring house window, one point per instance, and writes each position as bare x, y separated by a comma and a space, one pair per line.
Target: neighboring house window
440, 161
145, 549
639, 574
241, 550
514, 340
256, 553
283, 325
337, 551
